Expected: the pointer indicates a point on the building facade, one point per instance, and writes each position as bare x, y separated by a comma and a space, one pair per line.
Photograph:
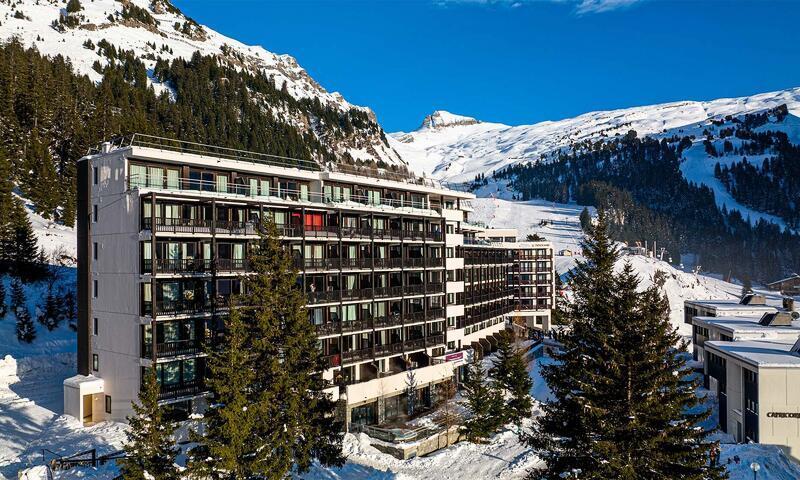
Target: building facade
163, 234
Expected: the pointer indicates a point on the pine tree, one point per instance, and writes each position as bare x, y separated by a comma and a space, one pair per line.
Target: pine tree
484, 402
622, 391
3, 306
74, 6
747, 285
229, 447
512, 378
17, 295
50, 316
70, 308
293, 417
150, 450
24, 250
26, 331
585, 219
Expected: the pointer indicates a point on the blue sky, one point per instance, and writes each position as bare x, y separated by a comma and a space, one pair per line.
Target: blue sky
521, 61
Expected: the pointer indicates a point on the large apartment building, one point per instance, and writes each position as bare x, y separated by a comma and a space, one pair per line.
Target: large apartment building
164, 229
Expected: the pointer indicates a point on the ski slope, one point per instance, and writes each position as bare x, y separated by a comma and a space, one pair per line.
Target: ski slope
560, 224
460, 152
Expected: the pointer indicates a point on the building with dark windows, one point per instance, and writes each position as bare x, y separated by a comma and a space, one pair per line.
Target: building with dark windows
391, 281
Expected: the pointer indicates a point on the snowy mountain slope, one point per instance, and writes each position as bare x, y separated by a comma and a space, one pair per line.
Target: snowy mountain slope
460, 152
559, 223
162, 31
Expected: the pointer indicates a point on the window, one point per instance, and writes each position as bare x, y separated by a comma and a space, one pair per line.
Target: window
450, 229
95, 326
94, 213
95, 175
451, 252
95, 288
451, 345
108, 403
94, 250
95, 362
451, 298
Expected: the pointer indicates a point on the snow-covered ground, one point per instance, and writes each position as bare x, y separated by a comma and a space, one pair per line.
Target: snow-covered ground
459, 151
559, 223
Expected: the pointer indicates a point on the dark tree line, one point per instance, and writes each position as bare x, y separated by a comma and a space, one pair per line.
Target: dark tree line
50, 116
639, 182
774, 185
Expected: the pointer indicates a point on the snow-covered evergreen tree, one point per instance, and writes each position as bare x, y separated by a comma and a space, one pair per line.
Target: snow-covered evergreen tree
511, 377
624, 399
229, 447
26, 331
484, 402
150, 449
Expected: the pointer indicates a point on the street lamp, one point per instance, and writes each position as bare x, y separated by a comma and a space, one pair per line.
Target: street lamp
755, 467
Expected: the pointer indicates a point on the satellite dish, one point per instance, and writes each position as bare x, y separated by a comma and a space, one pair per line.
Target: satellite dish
795, 315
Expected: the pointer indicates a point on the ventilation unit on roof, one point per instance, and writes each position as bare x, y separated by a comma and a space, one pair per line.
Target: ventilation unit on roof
796, 347
778, 319
753, 299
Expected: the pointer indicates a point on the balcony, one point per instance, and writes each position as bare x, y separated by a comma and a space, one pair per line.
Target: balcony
388, 349
179, 390
434, 313
330, 328
333, 360
173, 349
178, 225
356, 325
394, 320
357, 355
177, 307
194, 265
433, 340
415, 344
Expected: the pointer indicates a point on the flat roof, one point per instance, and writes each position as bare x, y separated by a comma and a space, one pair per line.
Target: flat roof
732, 305
759, 353
746, 325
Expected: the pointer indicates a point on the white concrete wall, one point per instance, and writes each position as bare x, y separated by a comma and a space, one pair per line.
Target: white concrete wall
117, 305
779, 391
394, 384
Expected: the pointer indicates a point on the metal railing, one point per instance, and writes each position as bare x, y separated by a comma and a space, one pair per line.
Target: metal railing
161, 182
172, 349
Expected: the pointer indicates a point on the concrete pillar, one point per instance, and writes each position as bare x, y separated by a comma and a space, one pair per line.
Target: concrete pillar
381, 410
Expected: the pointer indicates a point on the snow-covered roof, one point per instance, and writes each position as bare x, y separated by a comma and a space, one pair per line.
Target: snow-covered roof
734, 305
759, 353
84, 381
746, 325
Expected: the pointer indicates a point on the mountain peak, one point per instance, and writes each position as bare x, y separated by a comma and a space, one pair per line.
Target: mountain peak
443, 118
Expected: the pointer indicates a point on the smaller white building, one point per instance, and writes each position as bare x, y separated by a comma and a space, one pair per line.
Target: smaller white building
84, 399
777, 325
749, 305
758, 387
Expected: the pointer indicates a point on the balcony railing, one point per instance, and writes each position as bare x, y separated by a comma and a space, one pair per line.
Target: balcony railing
160, 182
194, 265
172, 349
183, 389
388, 349
415, 344
178, 307
357, 355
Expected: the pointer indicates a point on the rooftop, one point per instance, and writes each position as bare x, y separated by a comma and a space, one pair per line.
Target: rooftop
759, 353
144, 141
734, 305
747, 325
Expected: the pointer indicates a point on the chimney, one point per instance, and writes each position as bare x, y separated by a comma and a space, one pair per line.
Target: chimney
105, 147
790, 305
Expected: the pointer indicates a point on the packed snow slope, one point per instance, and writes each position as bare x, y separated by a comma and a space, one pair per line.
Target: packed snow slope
459, 151
156, 29
560, 224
